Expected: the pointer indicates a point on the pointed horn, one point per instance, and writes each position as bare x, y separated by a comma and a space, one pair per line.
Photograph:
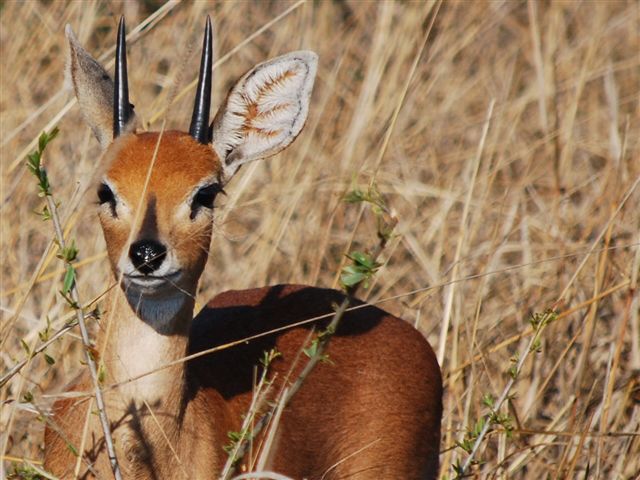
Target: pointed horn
199, 128
121, 107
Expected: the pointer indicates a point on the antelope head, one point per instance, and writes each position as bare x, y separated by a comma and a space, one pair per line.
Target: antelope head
158, 191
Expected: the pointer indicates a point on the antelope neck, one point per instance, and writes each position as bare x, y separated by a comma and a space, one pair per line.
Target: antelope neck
137, 346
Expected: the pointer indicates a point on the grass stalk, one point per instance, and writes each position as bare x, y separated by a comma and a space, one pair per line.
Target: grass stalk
546, 318
70, 288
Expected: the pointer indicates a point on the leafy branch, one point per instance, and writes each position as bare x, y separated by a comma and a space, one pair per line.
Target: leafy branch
358, 274
238, 441
47, 339
474, 437
68, 254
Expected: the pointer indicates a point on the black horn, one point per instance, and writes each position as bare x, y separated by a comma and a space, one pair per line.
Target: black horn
122, 111
199, 128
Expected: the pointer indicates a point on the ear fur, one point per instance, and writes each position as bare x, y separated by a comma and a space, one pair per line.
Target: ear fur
265, 110
93, 88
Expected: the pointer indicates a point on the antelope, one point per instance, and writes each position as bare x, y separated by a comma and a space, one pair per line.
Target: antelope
372, 412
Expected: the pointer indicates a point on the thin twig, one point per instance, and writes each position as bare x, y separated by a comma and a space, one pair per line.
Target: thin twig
525, 353
60, 432
257, 402
18, 366
60, 333
505, 393
386, 226
271, 433
70, 287
86, 342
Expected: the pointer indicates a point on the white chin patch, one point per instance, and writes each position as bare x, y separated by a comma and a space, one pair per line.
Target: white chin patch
156, 311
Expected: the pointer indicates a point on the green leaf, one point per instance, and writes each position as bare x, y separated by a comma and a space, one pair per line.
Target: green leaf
465, 445
351, 276
268, 356
312, 349
364, 260
44, 333
45, 138
45, 214
360, 258
33, 163
45, 187
42, 141
69, 279
355, 196
49, 359
25, 346
70, 252
53, 133
27, 397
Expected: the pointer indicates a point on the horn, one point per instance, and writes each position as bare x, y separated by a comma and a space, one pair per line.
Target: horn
199, 128
121, 107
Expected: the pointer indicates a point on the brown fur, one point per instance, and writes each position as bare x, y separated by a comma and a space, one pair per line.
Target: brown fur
180, 164
382, 389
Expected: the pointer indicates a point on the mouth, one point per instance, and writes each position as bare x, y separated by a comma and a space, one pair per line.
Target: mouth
151, 283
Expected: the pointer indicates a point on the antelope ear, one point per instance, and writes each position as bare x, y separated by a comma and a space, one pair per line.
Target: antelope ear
93, 88
264, 111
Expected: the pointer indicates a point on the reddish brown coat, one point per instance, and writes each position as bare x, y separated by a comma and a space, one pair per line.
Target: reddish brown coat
381, 389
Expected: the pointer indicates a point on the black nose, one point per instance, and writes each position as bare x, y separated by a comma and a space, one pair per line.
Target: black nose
147, 255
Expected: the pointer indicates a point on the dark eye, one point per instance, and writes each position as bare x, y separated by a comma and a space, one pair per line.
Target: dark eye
204, 198
105, 195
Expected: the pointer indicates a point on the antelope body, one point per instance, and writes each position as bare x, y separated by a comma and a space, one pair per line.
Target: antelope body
372, 412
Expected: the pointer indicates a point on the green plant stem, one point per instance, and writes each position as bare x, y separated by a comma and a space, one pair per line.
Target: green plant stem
18, 366
503, 397
75, 297
325, 338
323, 341
60, 432
239, 448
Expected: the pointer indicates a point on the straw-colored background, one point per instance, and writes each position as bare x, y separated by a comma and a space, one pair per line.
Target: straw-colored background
541, 221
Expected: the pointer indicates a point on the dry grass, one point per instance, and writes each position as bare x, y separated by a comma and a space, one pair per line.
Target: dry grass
540, 225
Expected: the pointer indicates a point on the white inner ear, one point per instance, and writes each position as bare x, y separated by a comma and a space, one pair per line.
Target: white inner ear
265, 110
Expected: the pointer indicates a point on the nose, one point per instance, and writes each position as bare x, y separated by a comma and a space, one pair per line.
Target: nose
147, 255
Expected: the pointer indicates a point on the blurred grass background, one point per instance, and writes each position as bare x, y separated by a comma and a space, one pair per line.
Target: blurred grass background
532, 218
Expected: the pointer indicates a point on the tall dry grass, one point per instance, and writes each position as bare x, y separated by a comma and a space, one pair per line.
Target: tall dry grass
531, 218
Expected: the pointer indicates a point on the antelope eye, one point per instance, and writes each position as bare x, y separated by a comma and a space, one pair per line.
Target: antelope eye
204, 198
105, 195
